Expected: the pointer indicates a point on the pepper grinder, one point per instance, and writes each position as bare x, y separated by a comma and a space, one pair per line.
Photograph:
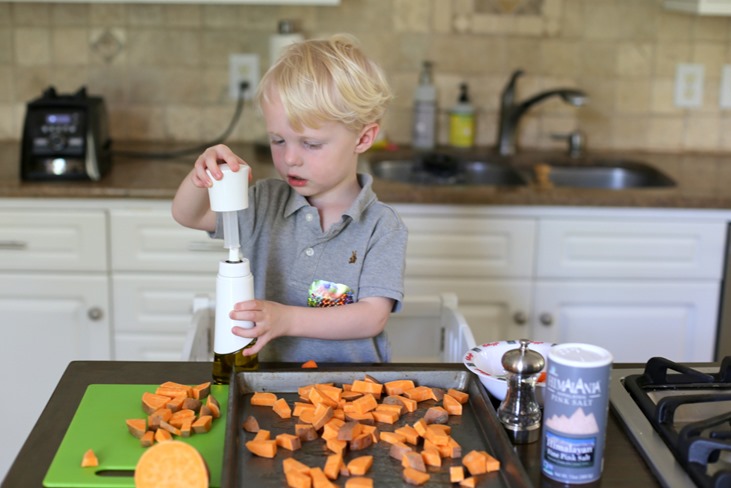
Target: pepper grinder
519, 412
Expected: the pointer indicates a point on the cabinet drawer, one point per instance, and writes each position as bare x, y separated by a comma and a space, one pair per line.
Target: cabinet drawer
630, 249
469, 246
150, 240
50, 240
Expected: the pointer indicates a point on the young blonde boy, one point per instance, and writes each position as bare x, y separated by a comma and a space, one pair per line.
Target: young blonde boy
327, 256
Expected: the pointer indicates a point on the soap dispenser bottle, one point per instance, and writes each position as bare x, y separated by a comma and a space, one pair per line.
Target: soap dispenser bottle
462, 120
424, 123
234, 282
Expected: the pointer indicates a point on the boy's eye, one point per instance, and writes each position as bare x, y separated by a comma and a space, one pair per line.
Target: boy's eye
312, 145
275, 142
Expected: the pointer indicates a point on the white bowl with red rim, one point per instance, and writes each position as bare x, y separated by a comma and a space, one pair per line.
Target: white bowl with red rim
486, 362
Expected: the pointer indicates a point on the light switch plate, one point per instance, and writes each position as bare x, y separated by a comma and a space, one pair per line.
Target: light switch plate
724, 97
689, 85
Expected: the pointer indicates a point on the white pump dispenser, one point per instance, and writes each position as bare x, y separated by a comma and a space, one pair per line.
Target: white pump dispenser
234, 282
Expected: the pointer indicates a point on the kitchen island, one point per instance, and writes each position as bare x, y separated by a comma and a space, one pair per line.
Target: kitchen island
623, 464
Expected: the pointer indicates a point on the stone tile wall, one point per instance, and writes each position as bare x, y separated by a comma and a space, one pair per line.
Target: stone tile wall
163, 68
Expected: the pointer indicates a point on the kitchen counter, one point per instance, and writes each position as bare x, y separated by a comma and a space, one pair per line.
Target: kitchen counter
623, 465
703, 182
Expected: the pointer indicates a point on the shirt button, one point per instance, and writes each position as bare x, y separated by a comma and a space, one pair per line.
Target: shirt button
310, 252
308, 217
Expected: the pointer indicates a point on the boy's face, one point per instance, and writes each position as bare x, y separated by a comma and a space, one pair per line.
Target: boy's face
320, 164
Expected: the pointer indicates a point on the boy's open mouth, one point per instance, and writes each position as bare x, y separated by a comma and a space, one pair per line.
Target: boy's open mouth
296, 180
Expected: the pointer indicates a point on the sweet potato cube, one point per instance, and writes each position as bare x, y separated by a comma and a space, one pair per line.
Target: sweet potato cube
162, 435
173, 430
431, 457
451, 405
336, 446
414, 477
365, 404
333, 463
267, 449
318, 396
371, 430
178, 417
201, 391
152, 402
281, 408
191, 404
392, 437
456, 474
398, 449
300, 407
384, 416
460, 396
437, 394
188, 390
339, 414
148, 439
89, 459
319, 480
321, 416
438, 436
331, 391
213, 406
363, 441
491, 464
384, 407
359, 482
153, 420
350, 395
309, 364
398, 387
263, 435
332, 428
470, 482
475, 463
419, 394
350, 430
420, 427
251, 424
203, 424
187, 428
263, 399
360, 465
305, 432
413, 460
436, 415
136, 427
409, 434
176, 403
363, 418
289, 441
298, 479
363, 386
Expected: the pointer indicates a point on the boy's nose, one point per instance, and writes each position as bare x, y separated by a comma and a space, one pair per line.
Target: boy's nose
291, 158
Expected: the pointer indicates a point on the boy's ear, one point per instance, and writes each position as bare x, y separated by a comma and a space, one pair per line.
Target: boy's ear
367, 137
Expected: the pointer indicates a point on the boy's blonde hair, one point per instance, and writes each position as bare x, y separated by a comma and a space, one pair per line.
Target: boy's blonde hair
328, 80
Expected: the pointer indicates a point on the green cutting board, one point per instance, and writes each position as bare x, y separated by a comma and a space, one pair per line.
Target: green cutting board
99, 424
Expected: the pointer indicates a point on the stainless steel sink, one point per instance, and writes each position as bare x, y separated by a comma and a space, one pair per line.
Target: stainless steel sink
603, 173
445, 169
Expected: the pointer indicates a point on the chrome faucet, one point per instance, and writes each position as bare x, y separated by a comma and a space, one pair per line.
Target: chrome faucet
511, 112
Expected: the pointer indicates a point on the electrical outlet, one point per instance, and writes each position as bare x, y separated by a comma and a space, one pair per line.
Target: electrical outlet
724, 97
689, 85
243, 67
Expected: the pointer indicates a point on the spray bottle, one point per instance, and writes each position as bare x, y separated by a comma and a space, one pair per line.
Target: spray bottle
234, 282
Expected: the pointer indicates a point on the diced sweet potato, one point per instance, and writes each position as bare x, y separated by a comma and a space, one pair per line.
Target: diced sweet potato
89, 459
263, 435
318, 396
171, 464
309, 364
289, 442
456, 474
262, 448
263, 399
213, 406
349, 430
162, 435
321, 416
361, 442
397, 409
398, 450
436, 415
148, 439
336, 446
392, 437
432, 457
419, 394
152, 402
438, 436
175, 403
305, 432
363, 386
460, 396
360, 465
470, 482
251, 424
203, 424
281, 408
363, 418
333, 463
475, 463
201, 391
350, 395
365, 404
420, 427
297, 479
409, 434
413, 460
187, 428
384, 416
291, 464
191, 404
319, 480
153, 420
300, 407
414, 477
178, 417
451, 405
398, 387
173, 430
136, 427
359, 482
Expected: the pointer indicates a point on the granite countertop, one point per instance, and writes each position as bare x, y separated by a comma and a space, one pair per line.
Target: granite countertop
703, 182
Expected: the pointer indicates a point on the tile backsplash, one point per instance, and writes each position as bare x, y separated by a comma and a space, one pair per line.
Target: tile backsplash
163, 68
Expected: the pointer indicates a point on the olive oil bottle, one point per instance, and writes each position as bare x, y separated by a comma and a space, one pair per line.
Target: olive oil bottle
236, 362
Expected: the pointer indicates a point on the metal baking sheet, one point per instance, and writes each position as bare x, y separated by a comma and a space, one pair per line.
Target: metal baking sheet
477, 428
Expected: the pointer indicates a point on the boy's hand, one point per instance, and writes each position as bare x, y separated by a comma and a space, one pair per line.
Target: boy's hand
209, 161
269, 318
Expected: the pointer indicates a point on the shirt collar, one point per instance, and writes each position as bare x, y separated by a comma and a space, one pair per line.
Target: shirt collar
365, 198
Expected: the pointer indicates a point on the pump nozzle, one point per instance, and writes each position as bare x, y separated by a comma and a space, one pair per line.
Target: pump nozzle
231, 236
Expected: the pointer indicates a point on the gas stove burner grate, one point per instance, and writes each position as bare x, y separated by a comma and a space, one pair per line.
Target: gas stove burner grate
702, 446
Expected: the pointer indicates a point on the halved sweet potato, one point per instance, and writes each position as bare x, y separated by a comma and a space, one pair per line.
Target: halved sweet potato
170, 465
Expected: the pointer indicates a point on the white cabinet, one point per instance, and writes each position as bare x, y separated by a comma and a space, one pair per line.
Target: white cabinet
54, 307
158, 267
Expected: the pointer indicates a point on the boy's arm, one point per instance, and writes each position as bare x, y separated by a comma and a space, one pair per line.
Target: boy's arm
363, 319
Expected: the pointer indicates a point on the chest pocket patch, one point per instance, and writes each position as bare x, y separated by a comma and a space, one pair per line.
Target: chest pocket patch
328, 294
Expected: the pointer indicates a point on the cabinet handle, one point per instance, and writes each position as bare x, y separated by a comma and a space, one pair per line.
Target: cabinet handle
13, 245
95, 313
520, 318
200, 246
546, 319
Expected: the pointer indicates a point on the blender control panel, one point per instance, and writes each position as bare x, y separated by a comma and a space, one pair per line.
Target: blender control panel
58, 132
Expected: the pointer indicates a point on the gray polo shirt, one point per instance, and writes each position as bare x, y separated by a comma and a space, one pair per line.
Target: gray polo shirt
288, 250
